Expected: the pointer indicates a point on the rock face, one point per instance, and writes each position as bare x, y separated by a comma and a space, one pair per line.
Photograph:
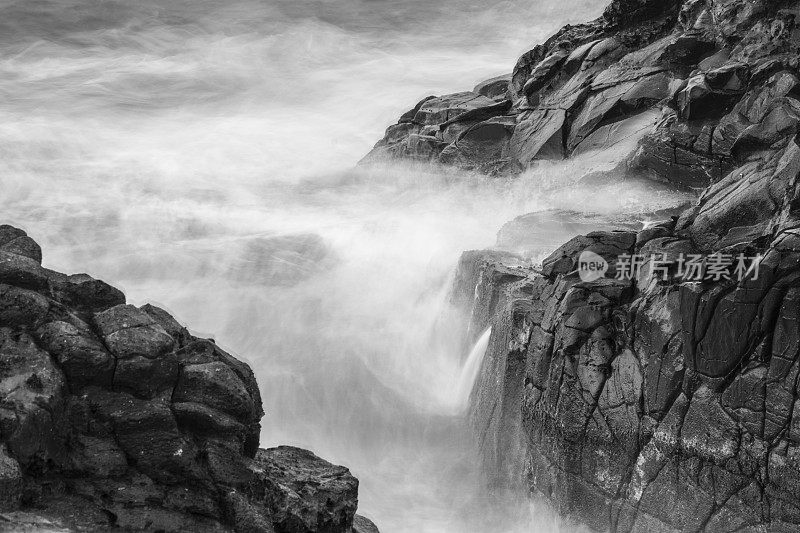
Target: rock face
468, 130
646, 404
114, 416
641, 404
702, 84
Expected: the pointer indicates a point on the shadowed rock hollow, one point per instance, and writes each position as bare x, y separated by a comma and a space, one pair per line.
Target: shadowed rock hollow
643, 404
115, 417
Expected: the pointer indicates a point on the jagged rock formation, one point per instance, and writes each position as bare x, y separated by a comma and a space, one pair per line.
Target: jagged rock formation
701, 84
645, 404
115, 417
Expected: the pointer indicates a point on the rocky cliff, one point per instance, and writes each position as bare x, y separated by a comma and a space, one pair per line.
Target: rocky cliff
115, 417
644, 403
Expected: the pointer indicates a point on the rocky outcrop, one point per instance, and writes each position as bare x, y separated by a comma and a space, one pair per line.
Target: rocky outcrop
647, 403
466, 129
115, 417
701, 84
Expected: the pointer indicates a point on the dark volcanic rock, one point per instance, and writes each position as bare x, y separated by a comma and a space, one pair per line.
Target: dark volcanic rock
701, 85
640, 404
115, 417
455, 129
643, 404
304, 492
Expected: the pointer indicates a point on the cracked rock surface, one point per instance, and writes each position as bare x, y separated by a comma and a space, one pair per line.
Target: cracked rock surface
702, 85
637, 405
646, 405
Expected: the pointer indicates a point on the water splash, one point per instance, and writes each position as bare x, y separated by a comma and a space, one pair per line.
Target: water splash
469, 373
197, 154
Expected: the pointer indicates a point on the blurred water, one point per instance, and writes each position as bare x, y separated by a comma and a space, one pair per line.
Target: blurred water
199, 155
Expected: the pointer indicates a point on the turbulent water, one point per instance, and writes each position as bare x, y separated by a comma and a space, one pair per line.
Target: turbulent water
200, 156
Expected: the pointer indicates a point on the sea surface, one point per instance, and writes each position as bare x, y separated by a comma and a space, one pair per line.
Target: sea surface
201, 155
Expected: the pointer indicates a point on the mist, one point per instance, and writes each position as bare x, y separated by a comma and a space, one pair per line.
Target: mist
201, 155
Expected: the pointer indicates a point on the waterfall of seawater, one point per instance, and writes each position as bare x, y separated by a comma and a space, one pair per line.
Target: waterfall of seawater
466, 379
198, 154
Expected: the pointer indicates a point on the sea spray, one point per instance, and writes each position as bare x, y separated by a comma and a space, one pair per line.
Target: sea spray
169, 147
472, 365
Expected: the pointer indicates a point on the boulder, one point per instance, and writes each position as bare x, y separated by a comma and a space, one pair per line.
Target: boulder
14, 240
148, 434
215, 385
22, 271
166, 321
20, 307
82, 357
130, 332
303, 492
88, 295
147, 378
362, 524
